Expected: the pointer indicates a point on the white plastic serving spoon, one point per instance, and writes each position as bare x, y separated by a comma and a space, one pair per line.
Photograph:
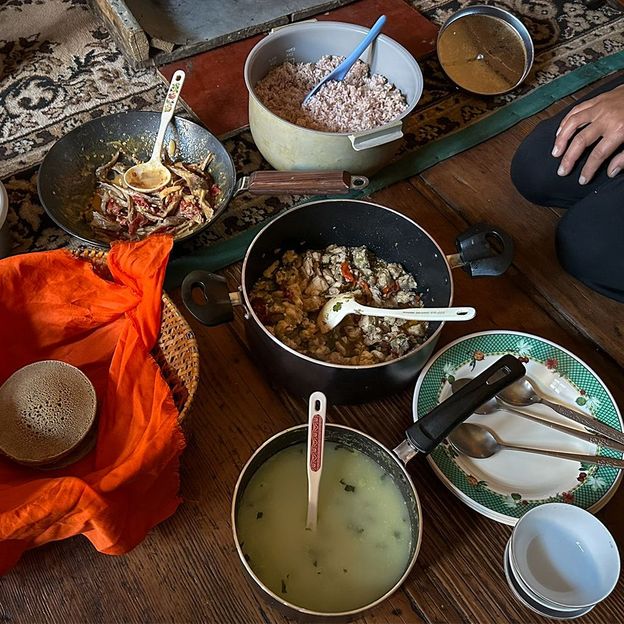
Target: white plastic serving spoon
336, 308
343, 69
316, 442
152, 175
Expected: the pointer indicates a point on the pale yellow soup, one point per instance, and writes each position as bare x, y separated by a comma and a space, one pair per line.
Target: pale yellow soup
360, 548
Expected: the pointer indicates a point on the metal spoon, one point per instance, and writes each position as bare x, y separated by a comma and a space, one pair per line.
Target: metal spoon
524, 393
479, 442
343, 69
152, 175
316, 437
496, 404
336, 308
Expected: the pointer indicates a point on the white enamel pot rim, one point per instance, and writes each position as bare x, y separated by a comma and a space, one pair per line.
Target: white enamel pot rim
4, 226
382, 134
4, 205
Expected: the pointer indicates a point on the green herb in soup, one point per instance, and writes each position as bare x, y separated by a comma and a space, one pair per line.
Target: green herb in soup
362, 542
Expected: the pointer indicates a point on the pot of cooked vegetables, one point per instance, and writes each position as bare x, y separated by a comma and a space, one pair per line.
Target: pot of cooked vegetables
369, 527
321, 249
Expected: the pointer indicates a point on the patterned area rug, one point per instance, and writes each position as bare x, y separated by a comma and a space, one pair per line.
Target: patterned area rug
59, 68
46, 97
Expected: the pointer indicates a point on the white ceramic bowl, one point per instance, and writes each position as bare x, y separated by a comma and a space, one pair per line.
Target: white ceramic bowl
5, 239
527, 598
564, 556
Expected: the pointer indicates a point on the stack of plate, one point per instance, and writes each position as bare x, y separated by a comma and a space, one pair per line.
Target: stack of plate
535, 602
507, 485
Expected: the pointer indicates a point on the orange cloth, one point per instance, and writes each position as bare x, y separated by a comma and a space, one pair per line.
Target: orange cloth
54, 306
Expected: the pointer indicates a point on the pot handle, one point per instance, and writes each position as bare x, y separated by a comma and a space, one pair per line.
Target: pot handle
305, 182
484, 250
219, 301
378, 136
427, 432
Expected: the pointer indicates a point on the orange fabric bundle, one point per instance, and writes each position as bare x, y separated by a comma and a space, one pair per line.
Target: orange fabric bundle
54, 306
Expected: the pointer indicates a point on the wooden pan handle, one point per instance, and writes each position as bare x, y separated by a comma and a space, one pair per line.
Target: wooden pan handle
304, 182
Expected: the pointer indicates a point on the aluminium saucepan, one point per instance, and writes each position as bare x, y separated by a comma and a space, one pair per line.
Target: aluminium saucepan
421, 437
387, 233
67, 178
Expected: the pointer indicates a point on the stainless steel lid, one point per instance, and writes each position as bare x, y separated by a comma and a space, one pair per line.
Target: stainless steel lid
485, 49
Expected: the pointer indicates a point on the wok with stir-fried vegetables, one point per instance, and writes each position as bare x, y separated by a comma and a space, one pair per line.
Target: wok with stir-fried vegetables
178, 208
86, 158
67, 179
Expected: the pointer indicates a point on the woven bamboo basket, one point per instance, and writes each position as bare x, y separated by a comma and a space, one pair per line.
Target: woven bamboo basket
176, 350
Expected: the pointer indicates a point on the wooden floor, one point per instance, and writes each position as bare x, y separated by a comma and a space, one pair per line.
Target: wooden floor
187, 568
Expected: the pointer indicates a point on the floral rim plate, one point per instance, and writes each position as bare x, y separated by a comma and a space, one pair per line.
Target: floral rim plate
510, 483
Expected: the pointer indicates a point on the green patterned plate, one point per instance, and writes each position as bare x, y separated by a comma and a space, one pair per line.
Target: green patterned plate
505, 486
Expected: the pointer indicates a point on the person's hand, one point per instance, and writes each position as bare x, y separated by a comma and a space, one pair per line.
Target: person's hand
599, 121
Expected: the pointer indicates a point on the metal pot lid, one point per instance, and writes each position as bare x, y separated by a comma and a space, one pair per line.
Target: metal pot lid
485, 50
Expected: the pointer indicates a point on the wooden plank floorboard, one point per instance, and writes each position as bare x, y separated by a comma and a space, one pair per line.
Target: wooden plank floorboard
432, 587
476, 184
187, 569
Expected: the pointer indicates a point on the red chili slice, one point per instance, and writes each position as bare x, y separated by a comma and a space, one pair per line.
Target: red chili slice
390, 289
345, 269
113, 207
140, 201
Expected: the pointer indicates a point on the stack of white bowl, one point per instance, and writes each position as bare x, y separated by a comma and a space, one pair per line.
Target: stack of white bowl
561, 561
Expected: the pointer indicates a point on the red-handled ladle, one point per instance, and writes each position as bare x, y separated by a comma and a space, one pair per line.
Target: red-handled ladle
316, 436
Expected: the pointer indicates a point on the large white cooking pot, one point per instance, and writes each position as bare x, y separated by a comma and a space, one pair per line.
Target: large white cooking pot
289, 147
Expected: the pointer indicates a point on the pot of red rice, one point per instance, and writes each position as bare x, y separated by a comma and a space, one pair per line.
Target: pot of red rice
353, 125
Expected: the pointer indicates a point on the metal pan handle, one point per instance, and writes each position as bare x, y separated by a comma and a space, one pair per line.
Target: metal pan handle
217, 302
300, 182
484, 251
427, 432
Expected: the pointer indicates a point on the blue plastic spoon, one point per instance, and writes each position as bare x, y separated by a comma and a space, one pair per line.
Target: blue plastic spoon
341, 71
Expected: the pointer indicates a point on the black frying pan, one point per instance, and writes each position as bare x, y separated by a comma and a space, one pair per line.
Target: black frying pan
67, 174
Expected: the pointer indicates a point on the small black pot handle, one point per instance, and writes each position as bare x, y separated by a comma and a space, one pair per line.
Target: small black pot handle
484, 251
218, 307
427, 432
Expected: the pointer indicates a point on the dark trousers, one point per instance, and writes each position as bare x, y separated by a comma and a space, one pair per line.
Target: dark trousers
590, 236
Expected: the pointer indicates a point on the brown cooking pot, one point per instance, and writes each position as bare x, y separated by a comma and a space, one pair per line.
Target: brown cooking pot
387, 233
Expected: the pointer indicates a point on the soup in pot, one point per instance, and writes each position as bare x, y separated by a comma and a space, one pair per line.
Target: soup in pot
483, 54
362, 543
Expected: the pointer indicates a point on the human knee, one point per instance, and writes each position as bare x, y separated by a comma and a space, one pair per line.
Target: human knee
533, 167
569, 247
582, 249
